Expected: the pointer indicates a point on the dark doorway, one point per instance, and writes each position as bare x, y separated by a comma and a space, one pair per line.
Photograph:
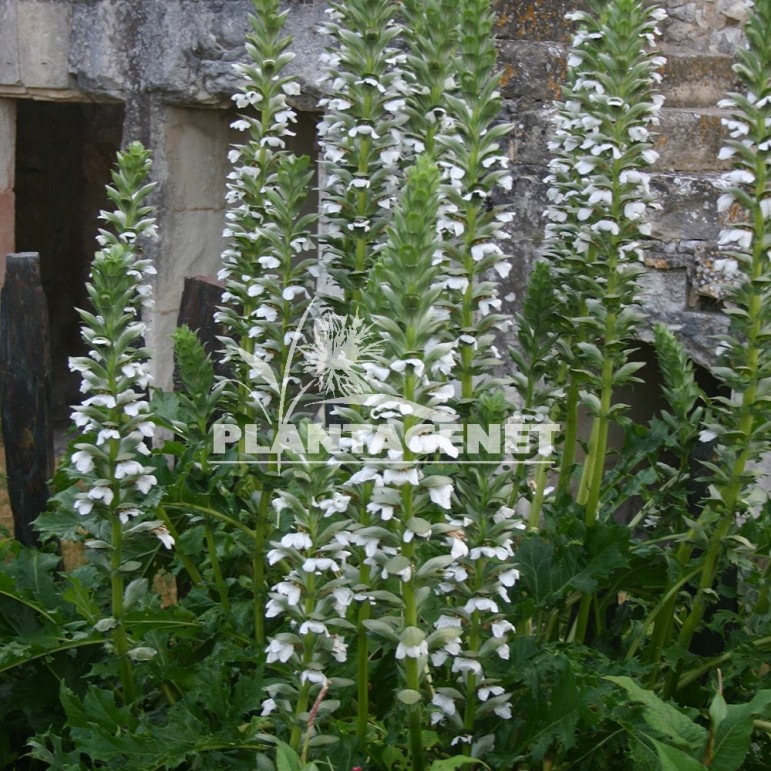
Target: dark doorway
64, 153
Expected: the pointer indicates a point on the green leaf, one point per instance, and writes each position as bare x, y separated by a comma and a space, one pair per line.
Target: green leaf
408, 696
455, 762
673, 759
134, 592
733, 734
664, 718
286, 758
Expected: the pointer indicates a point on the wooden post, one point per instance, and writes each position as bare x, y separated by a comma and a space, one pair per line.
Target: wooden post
25, 390
200, 299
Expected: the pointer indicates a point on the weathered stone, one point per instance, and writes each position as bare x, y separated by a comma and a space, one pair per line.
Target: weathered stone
696, 79
100, 51
688, 207
536, 20
7, 169
531, 72
529, 138
9, 44
690, 140
663, 290
44, 63
736, 11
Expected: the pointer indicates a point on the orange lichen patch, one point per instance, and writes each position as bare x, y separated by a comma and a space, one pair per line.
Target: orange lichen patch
506, 75
554, 84
657, 262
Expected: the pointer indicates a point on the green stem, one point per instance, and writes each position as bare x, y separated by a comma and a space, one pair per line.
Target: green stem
119, 636
219, 581
190, 566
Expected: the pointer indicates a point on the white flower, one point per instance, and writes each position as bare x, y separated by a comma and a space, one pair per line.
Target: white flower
504, 711
297, 541
289, 590
343, 598
128, 468
509, 577
164, 536
312, 676
398, 477
445, 703
459, 548
499, 628
278, 650
742, 238
486, 691
338, 503
84, 506
461, 664
101, 493
145, 482
314, 627
480, 603
447, 621
268, 707
83, 461
319, 564
339, 649
412, 651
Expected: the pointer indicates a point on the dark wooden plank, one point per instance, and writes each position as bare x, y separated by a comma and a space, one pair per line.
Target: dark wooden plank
200, 298
25, 391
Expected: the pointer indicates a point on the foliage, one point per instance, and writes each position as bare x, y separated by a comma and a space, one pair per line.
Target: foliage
255, 594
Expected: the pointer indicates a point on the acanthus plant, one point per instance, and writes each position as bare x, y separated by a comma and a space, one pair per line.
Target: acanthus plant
116, 485
267, 271
599, 200
725, 530
474, 168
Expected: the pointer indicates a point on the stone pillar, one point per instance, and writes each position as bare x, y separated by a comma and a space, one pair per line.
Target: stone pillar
7, 171
191, 216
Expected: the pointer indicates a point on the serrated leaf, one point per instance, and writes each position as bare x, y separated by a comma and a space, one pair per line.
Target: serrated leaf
662, 717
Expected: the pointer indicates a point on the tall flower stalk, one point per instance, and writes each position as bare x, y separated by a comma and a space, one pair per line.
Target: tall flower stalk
359, 141
744, 357
361, 150
267, 280
409, 497
599, 200
117, 486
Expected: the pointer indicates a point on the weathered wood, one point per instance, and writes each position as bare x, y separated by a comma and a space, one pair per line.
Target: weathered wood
25, 391
200, 298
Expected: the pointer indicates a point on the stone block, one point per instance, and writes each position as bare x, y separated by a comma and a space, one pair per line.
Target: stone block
662, 291
690, 140
44, 56
10, 73
535, 20
529, 137
688, 207
196, 153
531, 72
696, 80
100, 48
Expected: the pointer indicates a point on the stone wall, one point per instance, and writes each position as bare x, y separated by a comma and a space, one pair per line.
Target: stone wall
170, 63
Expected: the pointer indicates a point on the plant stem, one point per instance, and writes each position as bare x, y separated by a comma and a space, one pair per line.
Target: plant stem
120, 638
219, 581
